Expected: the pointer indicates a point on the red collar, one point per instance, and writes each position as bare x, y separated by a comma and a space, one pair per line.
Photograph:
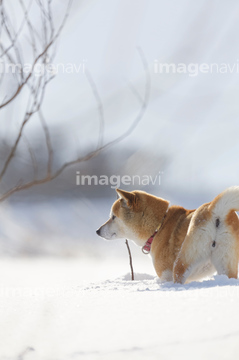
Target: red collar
147, 246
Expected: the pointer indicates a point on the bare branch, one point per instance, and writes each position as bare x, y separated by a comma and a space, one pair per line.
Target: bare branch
34, 108
46, 179
38, 85
30, 26
100, 107
18, 31
48, 143
51, 176
32, 155
42, 54
11, 35
143, 106
135, 92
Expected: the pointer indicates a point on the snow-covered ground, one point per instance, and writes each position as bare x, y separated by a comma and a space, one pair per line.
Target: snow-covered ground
90, 309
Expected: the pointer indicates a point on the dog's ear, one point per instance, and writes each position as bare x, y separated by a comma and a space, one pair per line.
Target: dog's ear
128, 197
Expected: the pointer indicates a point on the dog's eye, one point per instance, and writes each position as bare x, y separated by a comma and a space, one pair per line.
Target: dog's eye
113, 217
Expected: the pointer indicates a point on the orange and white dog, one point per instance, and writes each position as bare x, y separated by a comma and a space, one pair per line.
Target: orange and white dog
185, 245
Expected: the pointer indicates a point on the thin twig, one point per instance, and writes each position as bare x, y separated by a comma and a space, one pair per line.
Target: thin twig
48, 142
144, 103
100, 107
130, 259
32, 156
35, 108
18, 31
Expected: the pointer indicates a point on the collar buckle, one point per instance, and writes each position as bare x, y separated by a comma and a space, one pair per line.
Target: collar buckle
147, 246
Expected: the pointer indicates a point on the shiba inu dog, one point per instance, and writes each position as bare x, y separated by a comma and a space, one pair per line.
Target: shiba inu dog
185, 245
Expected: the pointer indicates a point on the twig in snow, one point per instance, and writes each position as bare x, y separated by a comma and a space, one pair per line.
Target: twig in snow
130, 259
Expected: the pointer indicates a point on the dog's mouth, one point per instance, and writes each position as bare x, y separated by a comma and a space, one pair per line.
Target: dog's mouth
112, 236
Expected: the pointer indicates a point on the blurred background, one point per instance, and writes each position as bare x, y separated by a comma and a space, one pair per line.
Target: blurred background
182, 126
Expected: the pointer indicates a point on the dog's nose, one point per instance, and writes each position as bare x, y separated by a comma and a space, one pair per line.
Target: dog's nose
98, 231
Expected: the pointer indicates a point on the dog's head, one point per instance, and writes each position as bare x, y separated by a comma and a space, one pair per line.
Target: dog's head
135, 215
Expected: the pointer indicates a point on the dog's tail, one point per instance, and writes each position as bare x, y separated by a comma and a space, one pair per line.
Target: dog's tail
209, 239
226, 202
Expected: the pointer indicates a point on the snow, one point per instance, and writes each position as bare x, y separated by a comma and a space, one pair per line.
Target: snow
87, 307
90, 309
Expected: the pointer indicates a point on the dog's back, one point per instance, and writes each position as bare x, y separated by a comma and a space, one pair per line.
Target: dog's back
212, 239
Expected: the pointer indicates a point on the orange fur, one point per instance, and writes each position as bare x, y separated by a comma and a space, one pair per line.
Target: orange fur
190, 244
